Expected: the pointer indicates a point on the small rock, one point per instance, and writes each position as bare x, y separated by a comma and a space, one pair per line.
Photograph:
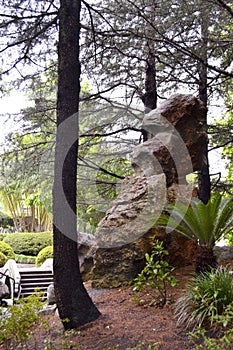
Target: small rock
51, 295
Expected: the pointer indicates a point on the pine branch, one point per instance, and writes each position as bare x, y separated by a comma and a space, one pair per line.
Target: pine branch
112, 133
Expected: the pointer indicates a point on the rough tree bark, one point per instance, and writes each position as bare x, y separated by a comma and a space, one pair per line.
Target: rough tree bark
204, 184
150, 96
74, 304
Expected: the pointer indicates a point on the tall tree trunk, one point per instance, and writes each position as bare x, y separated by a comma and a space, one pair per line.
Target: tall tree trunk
150, 96
204, 185
74, 304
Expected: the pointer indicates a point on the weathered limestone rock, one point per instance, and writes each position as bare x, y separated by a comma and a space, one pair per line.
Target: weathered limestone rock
134, 210
116, 267
161, 165
176, 139
186, 114
4, 291
223, 253
85, 255
121, 235
159, 155
51, 294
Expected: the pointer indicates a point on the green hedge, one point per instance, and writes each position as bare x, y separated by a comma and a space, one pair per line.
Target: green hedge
7, 250
29, 243
3, 259
2, 236
44, 254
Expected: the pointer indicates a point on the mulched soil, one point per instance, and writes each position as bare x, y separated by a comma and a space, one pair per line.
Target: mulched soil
123, 322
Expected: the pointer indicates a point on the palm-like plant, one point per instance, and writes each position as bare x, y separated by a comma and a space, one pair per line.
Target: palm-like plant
203, 223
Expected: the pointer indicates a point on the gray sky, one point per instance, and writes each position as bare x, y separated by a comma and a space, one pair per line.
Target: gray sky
9, 105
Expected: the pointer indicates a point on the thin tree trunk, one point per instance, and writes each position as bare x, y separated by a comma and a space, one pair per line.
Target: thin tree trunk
204, 185
74, 304
150, 96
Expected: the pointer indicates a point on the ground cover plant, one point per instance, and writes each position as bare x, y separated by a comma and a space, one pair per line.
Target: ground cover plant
16, 322
25, 259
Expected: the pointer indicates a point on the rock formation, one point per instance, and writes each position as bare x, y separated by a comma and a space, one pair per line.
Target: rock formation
174, 149
4, 291
51, 294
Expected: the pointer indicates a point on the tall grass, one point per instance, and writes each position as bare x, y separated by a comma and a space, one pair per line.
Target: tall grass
207, 296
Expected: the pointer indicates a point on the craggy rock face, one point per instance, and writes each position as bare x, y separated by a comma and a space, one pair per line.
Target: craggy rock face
173, 150
176, 141
133, 211
115, 267
180, 111
224, 253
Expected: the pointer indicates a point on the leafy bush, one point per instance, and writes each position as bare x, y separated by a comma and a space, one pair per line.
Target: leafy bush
25, 259
18, 330
156, 274
44, 254
229, 238
17, 327
3, 259
207, 296
7, 250
29, 243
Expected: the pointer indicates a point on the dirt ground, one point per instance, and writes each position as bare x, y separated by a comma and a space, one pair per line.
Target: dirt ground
123, 323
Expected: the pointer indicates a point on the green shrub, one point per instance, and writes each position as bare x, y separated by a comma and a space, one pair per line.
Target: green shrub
29, 243
7, 250
223, 341
18, 327
3, 235
229, 238
156, 274
207, 296
44, 254
3, 259
25, 259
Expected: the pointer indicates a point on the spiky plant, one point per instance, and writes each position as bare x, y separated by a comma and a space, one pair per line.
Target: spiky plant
205, 224
207, 296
